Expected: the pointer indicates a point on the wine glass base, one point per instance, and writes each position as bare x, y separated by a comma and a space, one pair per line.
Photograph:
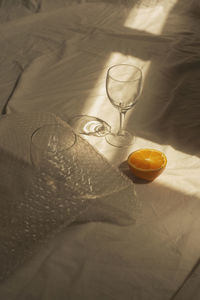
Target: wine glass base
88, 125
125, 139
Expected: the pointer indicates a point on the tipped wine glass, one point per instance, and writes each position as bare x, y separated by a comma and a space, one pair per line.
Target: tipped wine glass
49, 144
89, 125
123, 86
65, 169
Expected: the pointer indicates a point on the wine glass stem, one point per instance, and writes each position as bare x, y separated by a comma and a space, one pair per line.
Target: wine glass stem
121, 121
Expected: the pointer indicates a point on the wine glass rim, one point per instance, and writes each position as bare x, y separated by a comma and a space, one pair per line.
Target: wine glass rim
133, 66
48, 125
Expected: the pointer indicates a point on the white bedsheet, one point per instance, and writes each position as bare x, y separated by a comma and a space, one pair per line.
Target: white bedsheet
54, 58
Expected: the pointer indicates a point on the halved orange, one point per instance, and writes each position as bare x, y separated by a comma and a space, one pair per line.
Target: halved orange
147, 163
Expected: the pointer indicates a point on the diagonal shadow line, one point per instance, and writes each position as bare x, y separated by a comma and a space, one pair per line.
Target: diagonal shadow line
167, 133
196, 266
4, 109
155, 221
170, 132
180, 136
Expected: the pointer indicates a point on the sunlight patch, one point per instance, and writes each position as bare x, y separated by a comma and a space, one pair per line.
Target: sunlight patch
149, 19
98, 104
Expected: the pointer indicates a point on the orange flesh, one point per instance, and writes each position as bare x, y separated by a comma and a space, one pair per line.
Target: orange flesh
147, 159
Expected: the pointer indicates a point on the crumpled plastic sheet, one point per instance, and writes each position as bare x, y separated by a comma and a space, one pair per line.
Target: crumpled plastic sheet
79, 185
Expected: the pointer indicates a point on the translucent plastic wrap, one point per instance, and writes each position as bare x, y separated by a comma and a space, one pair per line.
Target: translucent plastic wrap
37, 203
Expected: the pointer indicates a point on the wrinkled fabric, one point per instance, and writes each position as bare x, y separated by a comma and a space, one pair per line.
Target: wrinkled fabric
55, 59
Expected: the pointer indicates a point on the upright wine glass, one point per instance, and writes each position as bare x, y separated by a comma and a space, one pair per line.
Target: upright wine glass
123, 85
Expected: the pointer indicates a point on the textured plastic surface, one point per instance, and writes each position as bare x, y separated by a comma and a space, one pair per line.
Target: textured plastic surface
76, 185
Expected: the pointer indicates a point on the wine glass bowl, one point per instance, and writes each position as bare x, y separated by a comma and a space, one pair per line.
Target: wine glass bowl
49, 143
123, 86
